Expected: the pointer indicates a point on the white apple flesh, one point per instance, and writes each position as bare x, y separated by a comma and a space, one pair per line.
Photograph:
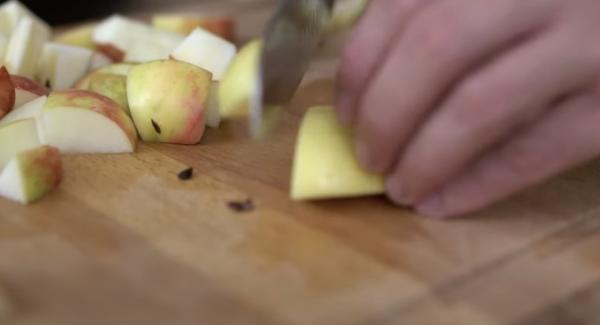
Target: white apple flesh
16, 137
79, 121
126, 39
206, 50
25, 47
62, 65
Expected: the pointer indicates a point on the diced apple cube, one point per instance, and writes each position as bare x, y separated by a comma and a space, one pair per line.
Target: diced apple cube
206, 50
62, 65
25, 47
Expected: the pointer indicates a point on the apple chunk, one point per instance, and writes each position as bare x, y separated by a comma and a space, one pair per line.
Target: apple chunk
126, 39
239, 83
207, 51
11, 12
167, 100
62, 65
80, 36
16, 137
27, 90
184, 24
325, 166
3, 44
79, 121
116, 68
31, 110
31, 174
7, 92
25, 47
113, 86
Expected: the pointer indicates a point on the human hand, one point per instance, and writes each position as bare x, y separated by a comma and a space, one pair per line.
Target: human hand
463, 103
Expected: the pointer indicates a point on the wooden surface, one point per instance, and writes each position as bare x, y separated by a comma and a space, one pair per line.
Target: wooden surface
123, 241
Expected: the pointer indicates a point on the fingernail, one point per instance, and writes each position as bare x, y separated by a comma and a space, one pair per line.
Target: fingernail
396, 193
432, 207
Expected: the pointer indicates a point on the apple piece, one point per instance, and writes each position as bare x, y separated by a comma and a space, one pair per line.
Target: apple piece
99, 60
31, 110
3, 44
121, 39
16, 137
27, 90
62, 65
167, 100
31, 174
79, 121
345, 15
7, 92
25, 47
113, 86
325, 165
239, 84
115, 68
11, 12
80, 36
207, 51
156, 47
213, 116
184, 24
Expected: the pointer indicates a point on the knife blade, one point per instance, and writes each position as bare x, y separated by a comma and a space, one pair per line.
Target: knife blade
290, 41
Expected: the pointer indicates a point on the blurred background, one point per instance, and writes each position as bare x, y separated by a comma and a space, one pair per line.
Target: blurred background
59, 12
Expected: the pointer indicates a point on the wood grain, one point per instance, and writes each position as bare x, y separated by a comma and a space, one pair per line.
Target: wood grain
124, 241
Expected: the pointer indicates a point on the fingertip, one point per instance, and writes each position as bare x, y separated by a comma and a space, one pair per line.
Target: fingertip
433, 207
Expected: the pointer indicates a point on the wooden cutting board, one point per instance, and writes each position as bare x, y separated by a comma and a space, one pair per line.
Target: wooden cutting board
124, 241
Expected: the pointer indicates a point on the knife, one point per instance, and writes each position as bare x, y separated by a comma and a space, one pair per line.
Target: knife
290, 41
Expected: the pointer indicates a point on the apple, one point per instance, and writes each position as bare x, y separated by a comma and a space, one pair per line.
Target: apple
116, 68
168, 99
126, 39
185, 24
26, 90
7, 92
3, 44
31, 174
80, 36
325, 165
79, 121
25, 47
62, 65
32, 110
158, 46
11, 12
16, 137
98, 61
239, 84
213, 116
113, 86
345, 14
206, 50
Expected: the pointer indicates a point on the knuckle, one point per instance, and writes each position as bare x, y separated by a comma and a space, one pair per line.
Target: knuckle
437, 34
521, 159
476, 103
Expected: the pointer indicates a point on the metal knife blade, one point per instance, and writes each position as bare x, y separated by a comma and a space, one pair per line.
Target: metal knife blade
290, 40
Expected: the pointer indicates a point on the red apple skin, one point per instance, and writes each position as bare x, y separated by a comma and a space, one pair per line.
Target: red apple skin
7, 92
112, 52
97, 103
29, 85
222, 26
50, 163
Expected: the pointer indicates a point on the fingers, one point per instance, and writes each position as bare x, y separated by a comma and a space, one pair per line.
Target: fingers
567, 137
485, 108
370, 40
445, 42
